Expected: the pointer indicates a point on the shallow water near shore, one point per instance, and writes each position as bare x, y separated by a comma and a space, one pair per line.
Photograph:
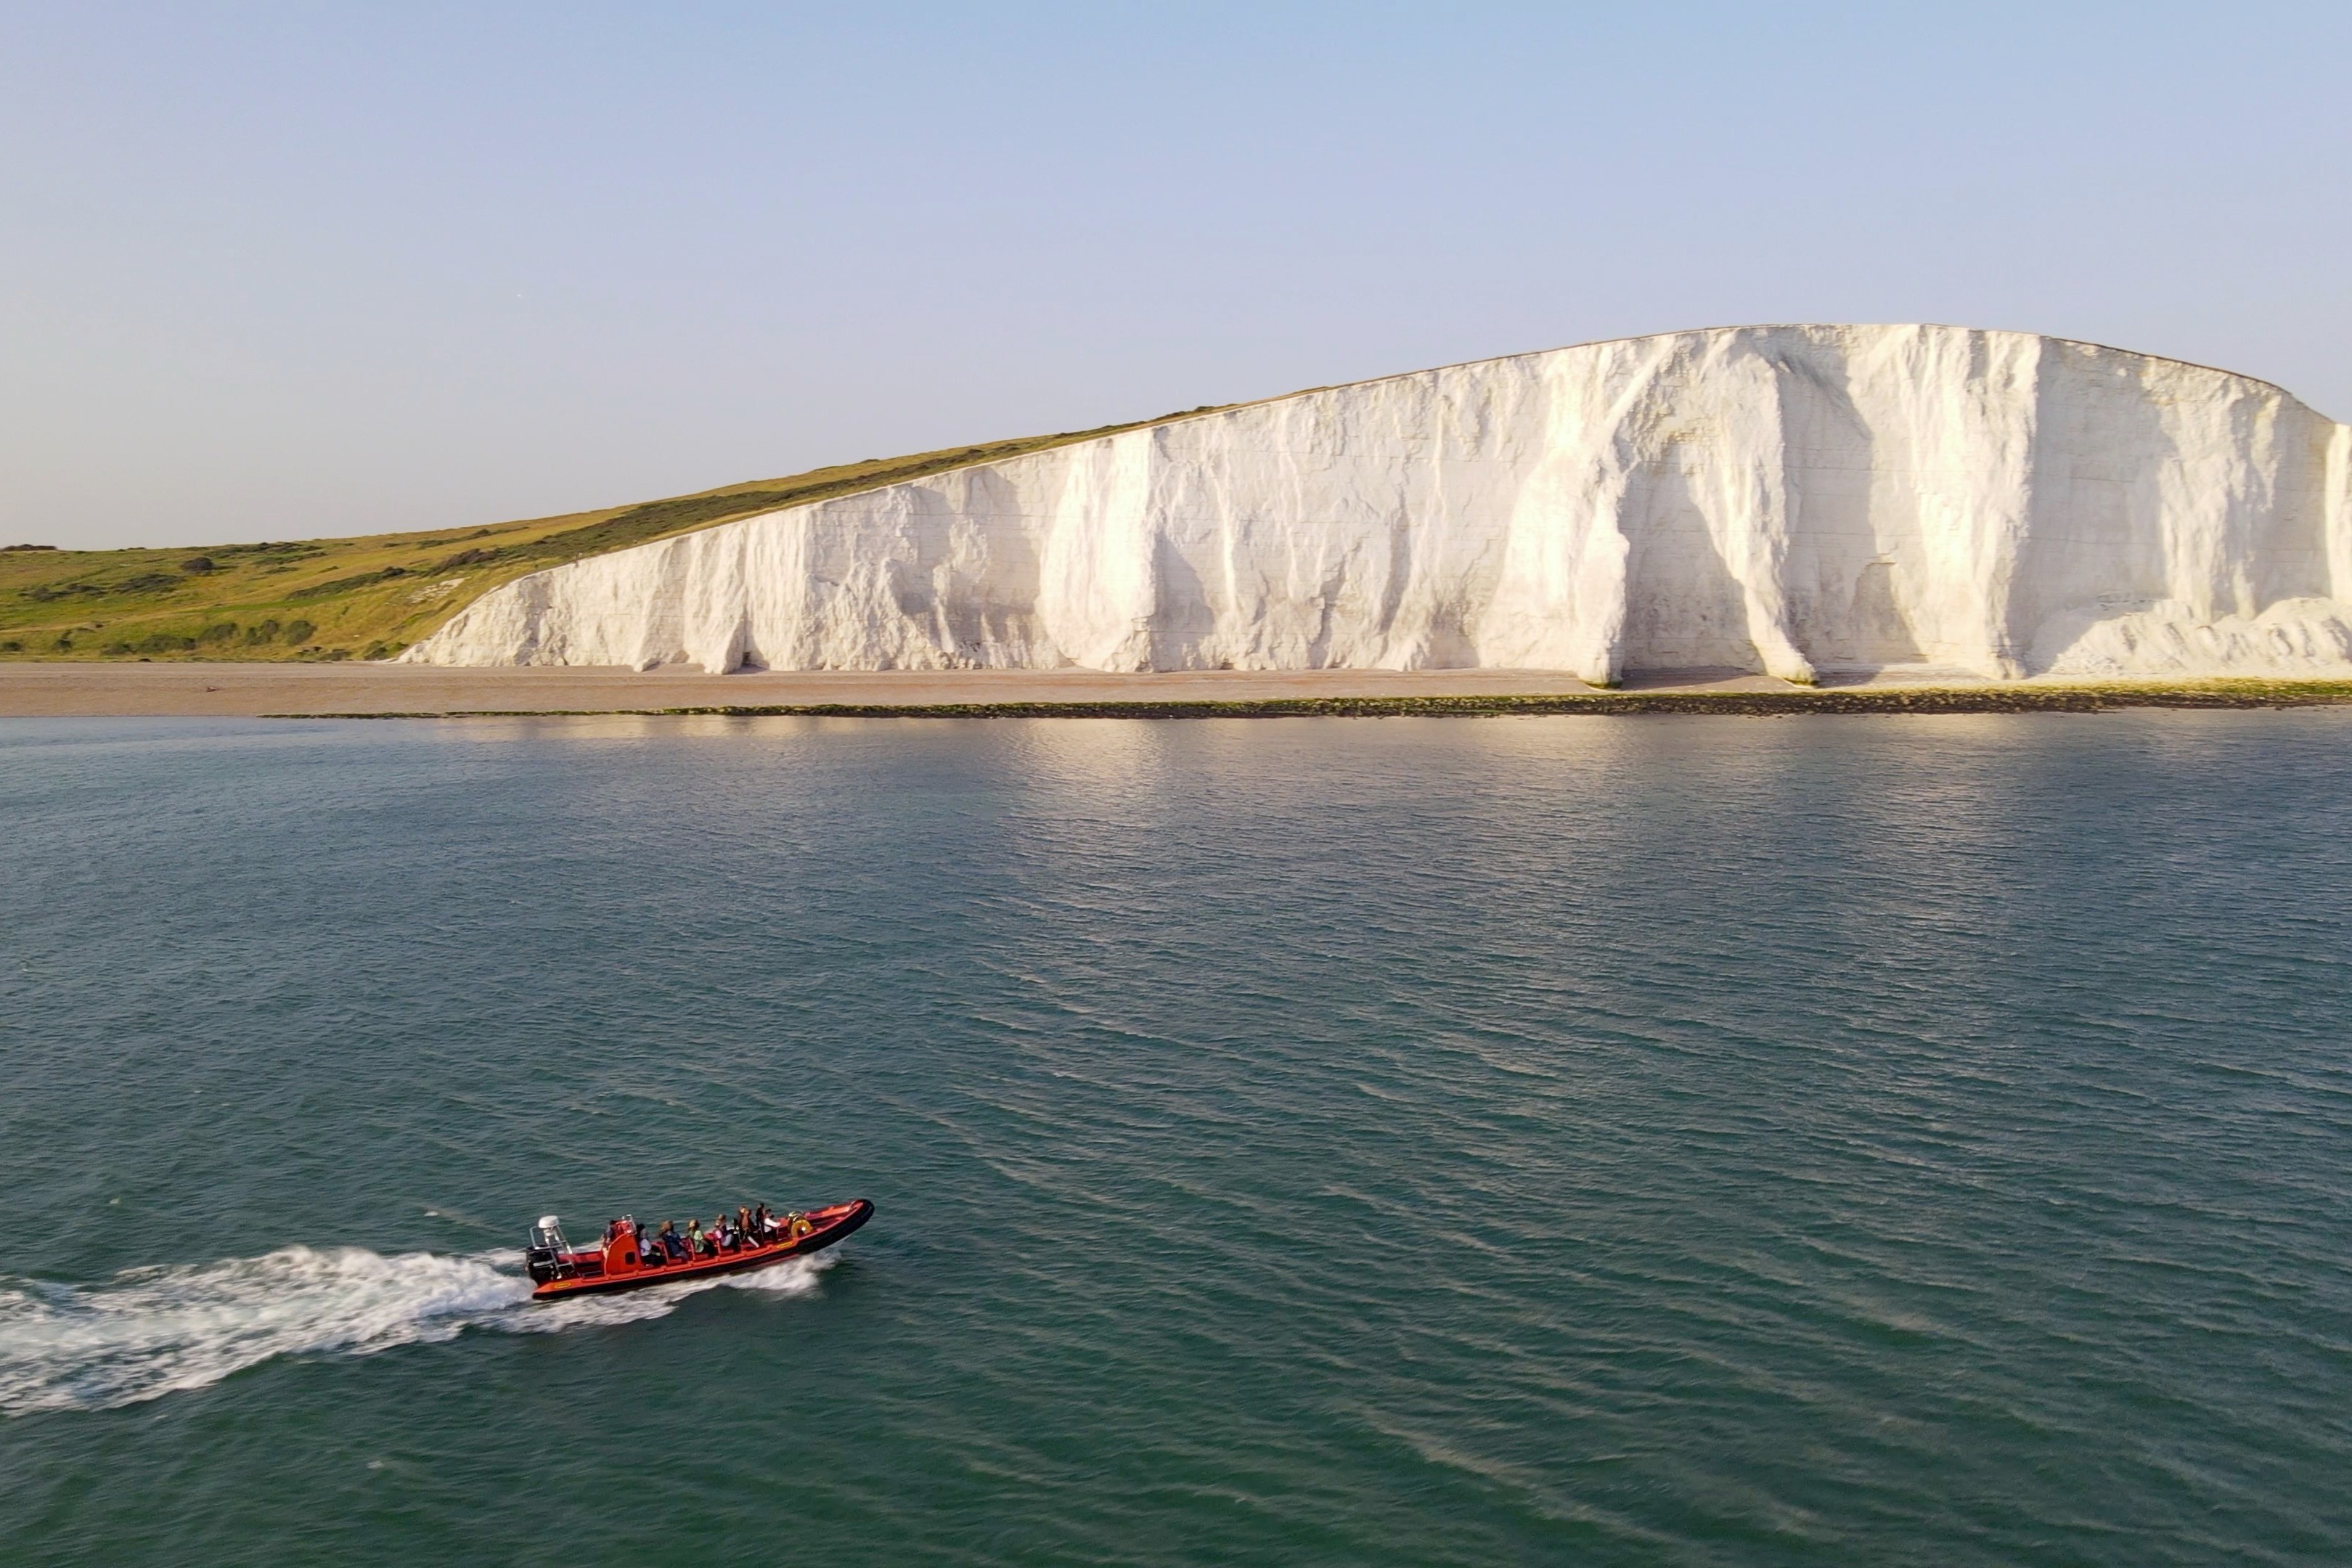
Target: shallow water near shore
1694, 1140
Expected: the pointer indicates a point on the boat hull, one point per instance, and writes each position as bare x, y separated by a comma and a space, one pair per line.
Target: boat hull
828, 1226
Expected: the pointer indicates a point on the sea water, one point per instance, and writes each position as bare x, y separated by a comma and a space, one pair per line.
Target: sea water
1691, 1140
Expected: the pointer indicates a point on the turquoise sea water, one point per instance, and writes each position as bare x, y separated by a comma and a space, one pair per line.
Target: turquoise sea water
1682, 1141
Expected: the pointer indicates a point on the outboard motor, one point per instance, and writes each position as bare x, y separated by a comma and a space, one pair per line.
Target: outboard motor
548, 1257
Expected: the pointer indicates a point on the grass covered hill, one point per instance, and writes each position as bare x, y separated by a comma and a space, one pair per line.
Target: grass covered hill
371, 597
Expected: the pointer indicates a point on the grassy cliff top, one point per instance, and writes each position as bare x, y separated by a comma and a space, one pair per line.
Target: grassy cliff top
370, 597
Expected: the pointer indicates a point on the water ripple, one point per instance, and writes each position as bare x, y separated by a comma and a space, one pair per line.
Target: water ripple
1692, 1140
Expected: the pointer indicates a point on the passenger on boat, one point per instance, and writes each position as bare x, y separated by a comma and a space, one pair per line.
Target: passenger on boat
697, 1243
763, 1225
672, 1244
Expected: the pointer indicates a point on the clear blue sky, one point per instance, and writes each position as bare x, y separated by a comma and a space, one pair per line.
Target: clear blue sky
276, 270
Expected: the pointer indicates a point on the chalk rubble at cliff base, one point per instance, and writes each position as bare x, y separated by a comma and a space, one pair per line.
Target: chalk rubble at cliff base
1790, 499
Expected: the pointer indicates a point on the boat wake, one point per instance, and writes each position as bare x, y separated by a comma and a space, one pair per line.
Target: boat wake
153, 1332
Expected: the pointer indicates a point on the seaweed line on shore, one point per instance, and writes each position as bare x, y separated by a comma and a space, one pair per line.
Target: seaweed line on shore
1752, 704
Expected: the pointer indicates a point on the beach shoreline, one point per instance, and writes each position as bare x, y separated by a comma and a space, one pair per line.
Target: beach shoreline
258, 690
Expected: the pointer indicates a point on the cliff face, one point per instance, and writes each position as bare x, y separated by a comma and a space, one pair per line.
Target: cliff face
1788, 500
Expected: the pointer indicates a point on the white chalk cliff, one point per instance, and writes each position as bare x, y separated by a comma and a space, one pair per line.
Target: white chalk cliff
1791, 499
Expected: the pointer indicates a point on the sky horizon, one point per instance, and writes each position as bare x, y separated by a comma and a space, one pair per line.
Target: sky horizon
281, 272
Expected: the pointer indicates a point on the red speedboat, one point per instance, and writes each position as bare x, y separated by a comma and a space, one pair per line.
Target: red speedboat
557, 1269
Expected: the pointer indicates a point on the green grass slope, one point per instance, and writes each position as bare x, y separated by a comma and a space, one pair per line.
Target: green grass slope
370, 597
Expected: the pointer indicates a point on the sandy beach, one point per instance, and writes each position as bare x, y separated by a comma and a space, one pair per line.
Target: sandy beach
63, 690
252, 690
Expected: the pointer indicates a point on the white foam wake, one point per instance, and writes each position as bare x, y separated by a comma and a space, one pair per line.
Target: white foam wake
153, 1332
